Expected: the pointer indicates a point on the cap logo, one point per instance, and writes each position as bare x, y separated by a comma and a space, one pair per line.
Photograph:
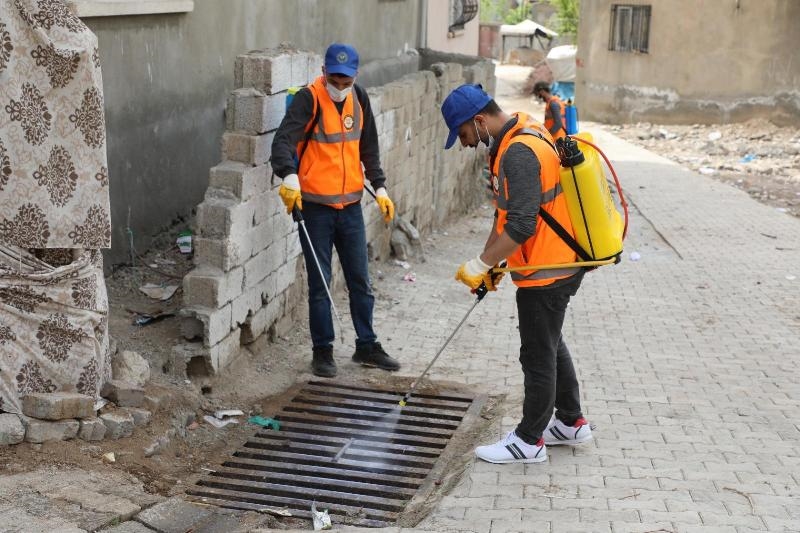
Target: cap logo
341, 57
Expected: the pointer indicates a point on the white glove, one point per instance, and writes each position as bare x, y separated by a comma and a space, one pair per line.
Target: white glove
292, 181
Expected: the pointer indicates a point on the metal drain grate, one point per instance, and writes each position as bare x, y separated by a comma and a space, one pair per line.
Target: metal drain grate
349, 448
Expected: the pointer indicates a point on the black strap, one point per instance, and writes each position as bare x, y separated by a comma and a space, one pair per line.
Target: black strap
309, 133
564, 235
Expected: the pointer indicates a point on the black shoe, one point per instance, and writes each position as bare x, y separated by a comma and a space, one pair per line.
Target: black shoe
374, 356
322, 363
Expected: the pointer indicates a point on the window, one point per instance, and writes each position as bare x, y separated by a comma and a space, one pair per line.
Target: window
461, 12
630, 28
116, 8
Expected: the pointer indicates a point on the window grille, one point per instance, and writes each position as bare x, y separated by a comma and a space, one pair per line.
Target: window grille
630, 28
461, 12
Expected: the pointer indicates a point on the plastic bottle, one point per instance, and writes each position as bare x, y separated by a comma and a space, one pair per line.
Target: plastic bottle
571, 113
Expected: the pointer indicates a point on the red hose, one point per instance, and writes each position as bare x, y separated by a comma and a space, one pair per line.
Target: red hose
622, 201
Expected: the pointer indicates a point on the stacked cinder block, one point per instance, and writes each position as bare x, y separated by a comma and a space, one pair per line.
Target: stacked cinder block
426, 183
246, 246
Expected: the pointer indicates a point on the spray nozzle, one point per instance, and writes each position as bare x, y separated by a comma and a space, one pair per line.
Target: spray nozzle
568, 152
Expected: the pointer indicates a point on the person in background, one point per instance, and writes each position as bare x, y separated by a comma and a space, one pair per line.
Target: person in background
555, 112
330, 129
525, 178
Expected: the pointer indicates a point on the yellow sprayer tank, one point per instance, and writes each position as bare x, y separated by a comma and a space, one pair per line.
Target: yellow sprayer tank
597, 224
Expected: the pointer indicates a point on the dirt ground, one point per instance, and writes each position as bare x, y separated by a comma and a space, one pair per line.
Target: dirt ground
755, 156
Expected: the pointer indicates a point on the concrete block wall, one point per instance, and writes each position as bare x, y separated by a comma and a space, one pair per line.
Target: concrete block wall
249, 277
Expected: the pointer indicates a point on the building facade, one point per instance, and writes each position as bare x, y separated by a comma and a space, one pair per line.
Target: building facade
688, 62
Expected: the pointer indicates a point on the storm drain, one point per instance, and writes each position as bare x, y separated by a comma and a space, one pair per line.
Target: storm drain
350, 449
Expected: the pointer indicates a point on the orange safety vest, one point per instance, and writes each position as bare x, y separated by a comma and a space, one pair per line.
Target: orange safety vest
330, 168
548, 117
544, 246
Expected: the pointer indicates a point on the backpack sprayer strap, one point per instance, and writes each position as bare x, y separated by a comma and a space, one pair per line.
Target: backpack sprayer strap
564, 235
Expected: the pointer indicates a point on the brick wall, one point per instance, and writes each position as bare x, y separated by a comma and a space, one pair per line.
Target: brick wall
249, 274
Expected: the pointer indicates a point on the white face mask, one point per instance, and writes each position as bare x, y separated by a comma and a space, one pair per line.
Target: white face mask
337, 95
489, 139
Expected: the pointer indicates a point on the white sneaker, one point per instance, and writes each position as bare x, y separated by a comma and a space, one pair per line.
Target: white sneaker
512, 449
558, 432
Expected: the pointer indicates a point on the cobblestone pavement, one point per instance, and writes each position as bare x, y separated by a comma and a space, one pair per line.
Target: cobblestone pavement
688, 361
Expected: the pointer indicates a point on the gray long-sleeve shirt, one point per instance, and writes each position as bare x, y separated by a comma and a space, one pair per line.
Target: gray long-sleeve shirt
523, 177
555, 113
292, 130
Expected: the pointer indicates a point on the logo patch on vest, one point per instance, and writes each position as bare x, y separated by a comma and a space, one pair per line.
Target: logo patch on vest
348, 122
495, 185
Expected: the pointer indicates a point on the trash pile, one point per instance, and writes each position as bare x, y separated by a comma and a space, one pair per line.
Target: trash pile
755, 156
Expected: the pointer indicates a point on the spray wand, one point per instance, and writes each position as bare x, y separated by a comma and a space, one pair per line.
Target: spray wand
480, 292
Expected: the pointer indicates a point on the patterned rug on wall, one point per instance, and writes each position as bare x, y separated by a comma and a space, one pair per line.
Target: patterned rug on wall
54, 204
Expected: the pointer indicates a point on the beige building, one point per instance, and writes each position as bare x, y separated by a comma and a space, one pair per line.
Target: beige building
689, 61
452, 26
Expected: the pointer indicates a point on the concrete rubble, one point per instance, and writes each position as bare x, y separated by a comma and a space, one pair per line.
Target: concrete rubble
57, 416
131, 367
57, 405
756, 156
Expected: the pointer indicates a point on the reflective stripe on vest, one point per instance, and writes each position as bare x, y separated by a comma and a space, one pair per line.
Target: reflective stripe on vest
353, 135
330, 171
557, 273
330, 199
547, 196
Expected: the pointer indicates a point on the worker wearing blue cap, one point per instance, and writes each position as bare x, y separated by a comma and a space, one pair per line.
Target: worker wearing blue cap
328, 132
525, 180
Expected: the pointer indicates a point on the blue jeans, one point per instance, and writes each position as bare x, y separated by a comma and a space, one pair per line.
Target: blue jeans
343, 228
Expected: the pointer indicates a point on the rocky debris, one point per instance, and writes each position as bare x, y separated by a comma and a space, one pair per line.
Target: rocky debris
152, 403
92, 450
118, 424
405, 241
157, 446
130, 367
174, 514
12, 431
141, 417
38, 431
755, 156
123, 394
92, 429
57, 405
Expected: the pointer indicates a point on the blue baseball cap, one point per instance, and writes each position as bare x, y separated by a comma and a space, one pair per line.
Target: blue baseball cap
461, 105
341, 59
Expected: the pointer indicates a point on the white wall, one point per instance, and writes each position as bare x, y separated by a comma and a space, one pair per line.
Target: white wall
438, 36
